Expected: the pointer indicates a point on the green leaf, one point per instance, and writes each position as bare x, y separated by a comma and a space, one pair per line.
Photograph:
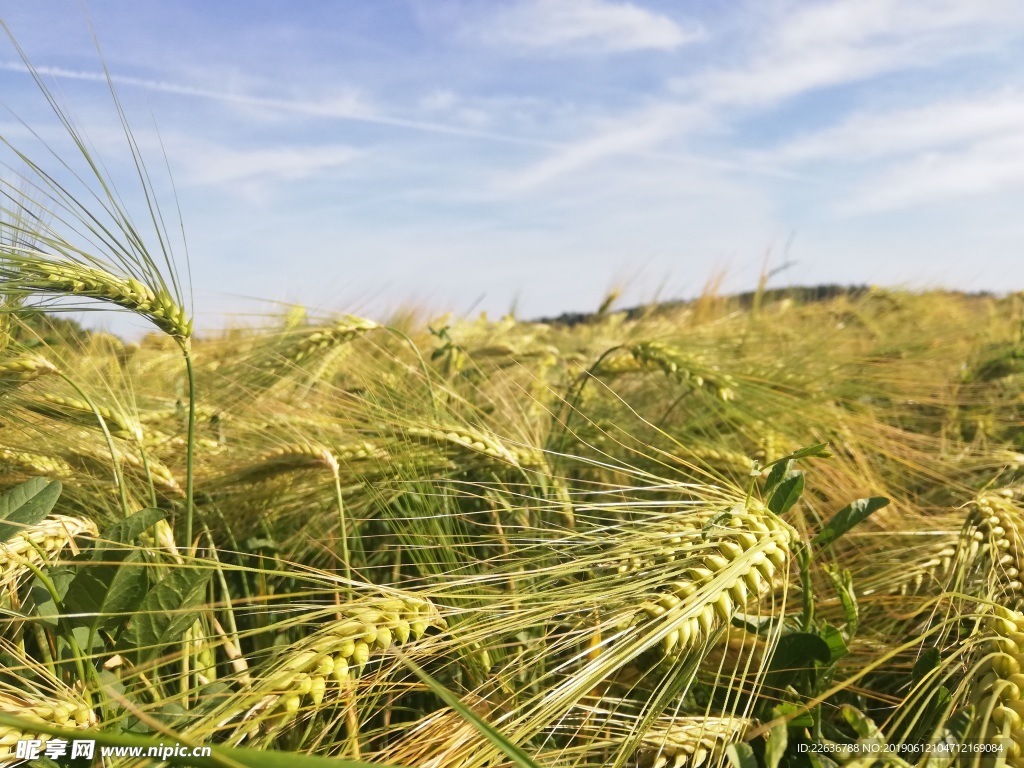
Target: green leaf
843, 582
787, 494
798, 651
128, 530
775, 744
818, 451
741, 755
795, 715
510, 750
106, 594
846, 518
46, 610
864, 726
836, 643
779, 472
111, 584
26, 504
821, 761
926, 662
167, 611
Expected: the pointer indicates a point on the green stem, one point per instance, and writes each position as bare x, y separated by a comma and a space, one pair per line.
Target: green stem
343, 523
803, 555
186, 349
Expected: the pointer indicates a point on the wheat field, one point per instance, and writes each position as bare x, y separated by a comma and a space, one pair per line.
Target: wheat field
772, 530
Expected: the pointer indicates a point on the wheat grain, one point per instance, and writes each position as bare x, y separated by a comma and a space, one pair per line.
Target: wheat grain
685, 368
293, 457
690, 742
309, 341
333, 656
734, 560
80, 412
71, 279
26, 368
36, 463
64, 711
38, 544
991, 547
997, 690
467, 438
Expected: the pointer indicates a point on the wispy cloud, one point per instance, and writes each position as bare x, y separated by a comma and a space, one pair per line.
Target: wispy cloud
594, 26
984, 167
846, 41
224, 166
640, 133
941, 125
348, 108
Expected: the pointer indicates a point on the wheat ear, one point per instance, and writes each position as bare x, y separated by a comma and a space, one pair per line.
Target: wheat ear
690, 742
333, 656
71, 279
37, 544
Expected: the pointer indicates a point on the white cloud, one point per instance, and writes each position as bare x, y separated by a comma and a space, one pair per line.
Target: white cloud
637, 134
222, 166
586, 25
984, 167
812, 46
947, 124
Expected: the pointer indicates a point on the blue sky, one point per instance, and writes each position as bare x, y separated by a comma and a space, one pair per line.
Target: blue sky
472, 154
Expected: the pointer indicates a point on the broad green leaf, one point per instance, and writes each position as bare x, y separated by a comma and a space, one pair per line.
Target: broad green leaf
26, 504
168, 609
846, 518
128, 530
821, 761
47, 612
778, 473
954, 733
864, 726
111, 584
106, 594
836, 643
775, 744
926, 662
787, 494
796, 716
798, 651
741, 755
